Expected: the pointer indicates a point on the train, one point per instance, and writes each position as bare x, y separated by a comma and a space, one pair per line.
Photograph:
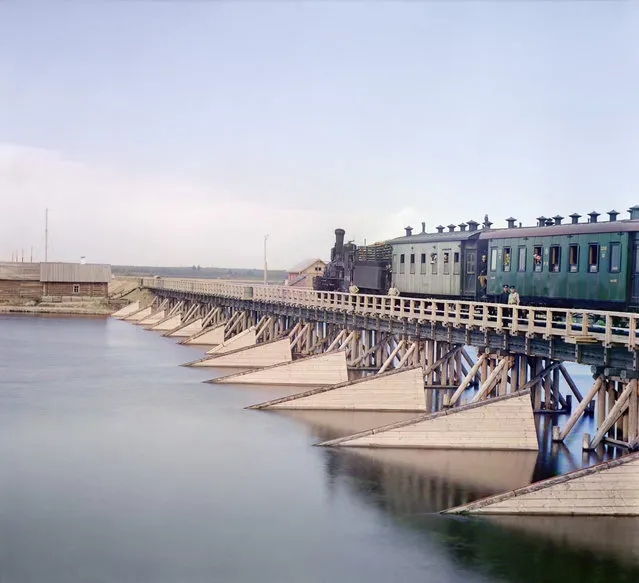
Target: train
588, 263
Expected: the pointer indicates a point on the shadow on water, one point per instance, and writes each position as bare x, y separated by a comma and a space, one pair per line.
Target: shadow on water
412, 486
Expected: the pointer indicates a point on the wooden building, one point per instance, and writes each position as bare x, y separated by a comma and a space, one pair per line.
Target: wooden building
31, 281
302, 274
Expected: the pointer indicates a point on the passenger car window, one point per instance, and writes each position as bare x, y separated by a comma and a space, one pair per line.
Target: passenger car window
537, 258
521, 265
615, 257
555, 259
573, 258
506, 259
493, 259
593, 257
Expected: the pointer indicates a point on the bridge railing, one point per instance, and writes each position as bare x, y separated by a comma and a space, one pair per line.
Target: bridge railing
573, 325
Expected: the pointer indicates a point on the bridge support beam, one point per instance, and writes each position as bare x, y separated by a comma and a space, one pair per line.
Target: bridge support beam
321, 370
505, 422
241, 340
167, 324
397, 390
126, 311
140, 314
616, 409
258, 356
608, 488
186, 329
207, 337
156, 314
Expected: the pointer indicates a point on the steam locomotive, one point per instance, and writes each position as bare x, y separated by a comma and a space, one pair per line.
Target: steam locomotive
367, 267
590, 264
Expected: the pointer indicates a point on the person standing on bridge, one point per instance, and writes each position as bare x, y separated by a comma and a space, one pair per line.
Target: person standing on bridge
504, 296
513, 297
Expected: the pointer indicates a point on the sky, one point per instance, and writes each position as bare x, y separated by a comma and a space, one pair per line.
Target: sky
181, 133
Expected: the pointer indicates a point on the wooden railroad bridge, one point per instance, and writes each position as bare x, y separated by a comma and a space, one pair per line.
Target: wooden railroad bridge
477, 376
519, 349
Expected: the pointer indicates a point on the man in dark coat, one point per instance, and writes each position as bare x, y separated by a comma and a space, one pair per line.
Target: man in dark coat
503, 296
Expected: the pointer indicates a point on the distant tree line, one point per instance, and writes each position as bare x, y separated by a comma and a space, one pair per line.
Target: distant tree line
199, 272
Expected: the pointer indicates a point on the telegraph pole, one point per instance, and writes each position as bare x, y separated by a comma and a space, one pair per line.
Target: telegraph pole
46, 235
265, 266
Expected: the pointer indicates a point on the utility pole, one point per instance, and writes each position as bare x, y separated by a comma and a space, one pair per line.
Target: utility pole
265, 265
46, 235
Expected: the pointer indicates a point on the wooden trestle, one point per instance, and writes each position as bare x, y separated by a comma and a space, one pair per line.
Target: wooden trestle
370, 353
513, 352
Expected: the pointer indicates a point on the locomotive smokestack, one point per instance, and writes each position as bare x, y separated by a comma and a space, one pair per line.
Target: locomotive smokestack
339, 242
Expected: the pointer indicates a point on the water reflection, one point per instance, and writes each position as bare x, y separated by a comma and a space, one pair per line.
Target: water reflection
413, 485
616, 536
551, 550
416, 481
325, 425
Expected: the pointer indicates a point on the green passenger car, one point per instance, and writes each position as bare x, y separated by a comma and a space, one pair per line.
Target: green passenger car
564, 269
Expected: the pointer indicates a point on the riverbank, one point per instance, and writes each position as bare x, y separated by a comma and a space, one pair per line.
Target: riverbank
63, 310
79, 307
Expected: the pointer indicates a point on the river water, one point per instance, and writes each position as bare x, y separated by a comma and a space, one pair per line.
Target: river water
118, 465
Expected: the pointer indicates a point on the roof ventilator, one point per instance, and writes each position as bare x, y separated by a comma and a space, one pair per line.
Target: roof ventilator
440, 228
511, 222
409, 231
612, 216
593, 216
575, 218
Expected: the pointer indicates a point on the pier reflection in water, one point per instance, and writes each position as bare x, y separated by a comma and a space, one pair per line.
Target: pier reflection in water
414, 485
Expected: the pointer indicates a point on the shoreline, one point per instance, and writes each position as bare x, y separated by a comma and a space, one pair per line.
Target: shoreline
59, 310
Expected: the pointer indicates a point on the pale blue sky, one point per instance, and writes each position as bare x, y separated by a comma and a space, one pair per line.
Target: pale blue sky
365, 115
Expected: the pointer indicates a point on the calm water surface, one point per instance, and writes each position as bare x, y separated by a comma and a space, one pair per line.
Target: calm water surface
119, 465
